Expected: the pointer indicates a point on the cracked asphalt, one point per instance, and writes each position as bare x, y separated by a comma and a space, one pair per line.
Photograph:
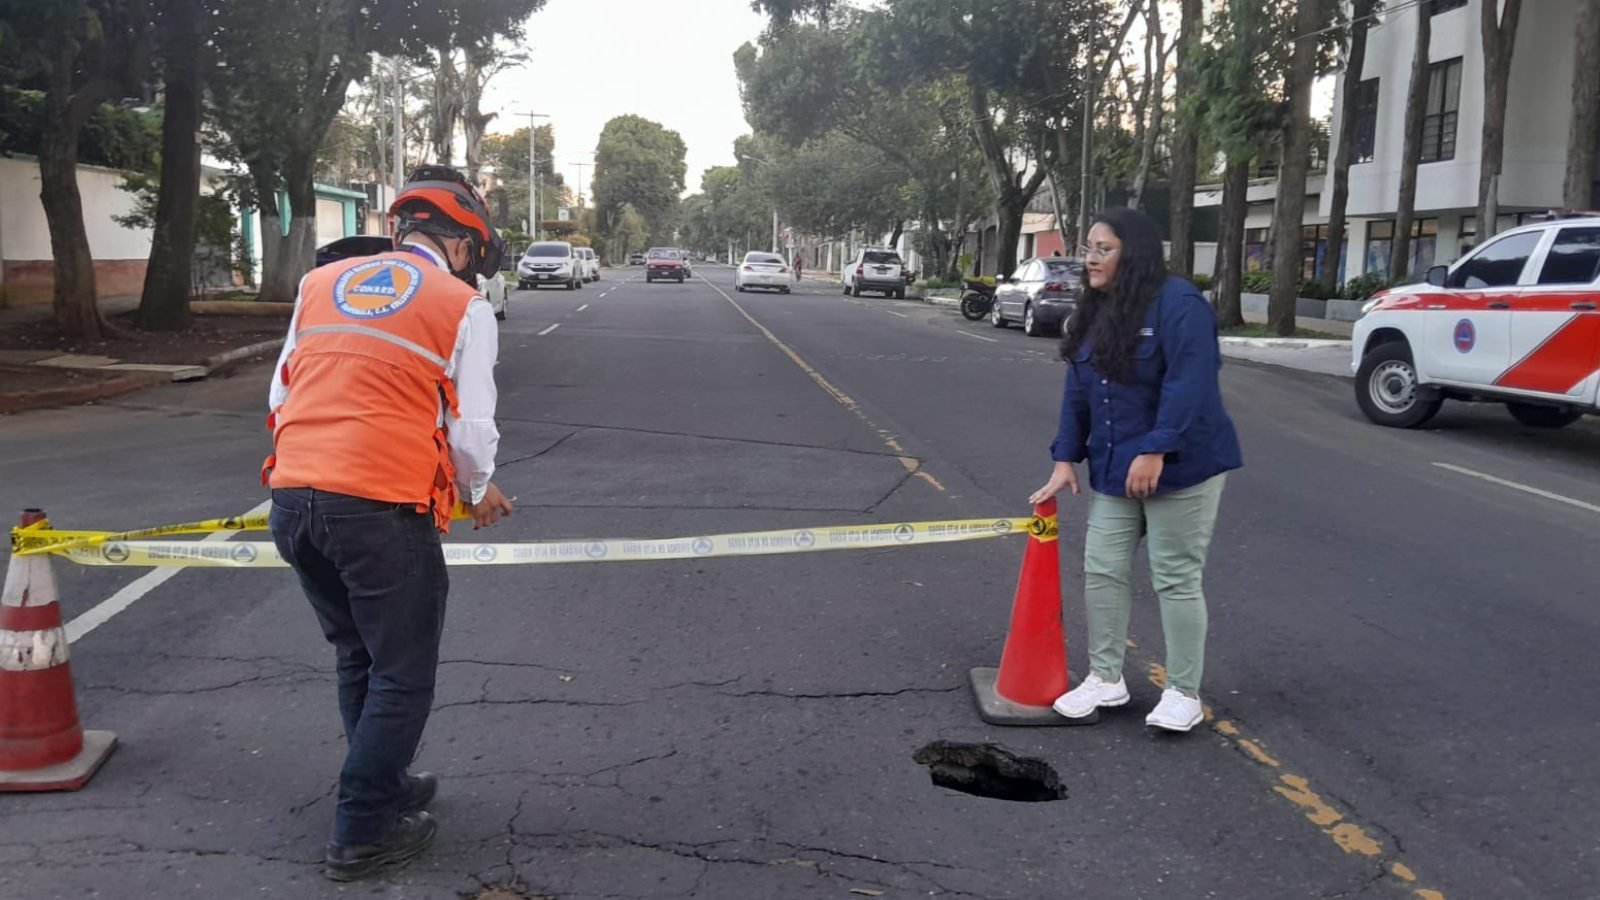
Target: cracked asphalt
1390, 673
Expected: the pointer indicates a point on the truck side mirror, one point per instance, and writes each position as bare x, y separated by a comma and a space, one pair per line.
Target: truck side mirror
1437, 275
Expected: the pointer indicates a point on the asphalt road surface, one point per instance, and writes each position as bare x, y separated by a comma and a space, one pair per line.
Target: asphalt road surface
1399, 623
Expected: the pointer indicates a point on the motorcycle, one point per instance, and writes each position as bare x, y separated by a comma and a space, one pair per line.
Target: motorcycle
977, 299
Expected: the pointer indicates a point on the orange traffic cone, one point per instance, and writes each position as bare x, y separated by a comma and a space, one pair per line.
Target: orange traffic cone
42, 746
1033, 666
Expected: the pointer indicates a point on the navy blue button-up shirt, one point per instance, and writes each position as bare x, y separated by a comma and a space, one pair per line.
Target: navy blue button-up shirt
1172, 405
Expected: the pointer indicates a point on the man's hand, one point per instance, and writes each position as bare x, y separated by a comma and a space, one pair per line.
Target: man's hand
1145, 474
488, 511
1062, 477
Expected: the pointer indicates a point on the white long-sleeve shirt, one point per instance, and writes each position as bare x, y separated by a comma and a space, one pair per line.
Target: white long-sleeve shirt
474, 437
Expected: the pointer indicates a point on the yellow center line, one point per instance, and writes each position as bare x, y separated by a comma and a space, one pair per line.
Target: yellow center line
1347, 835
911, 463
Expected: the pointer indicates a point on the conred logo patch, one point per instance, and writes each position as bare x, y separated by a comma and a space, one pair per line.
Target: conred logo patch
377, 288
1466, 336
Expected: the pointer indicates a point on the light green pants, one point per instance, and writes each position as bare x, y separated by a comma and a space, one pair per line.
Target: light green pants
1178, 526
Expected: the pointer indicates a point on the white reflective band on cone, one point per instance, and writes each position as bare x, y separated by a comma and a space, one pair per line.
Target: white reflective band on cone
32, 651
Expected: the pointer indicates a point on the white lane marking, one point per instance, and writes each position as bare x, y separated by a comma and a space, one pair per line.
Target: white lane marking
550, 329
584, 307
102, 612
978, 336
901, 315
1527, 489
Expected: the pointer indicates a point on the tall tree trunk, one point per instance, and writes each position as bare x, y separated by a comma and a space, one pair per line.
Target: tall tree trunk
1229, 283
164, 305
1355, 62
75, 297
1012, 196
1498, 21
1153, 104
1288, 211
1186, 145
1578, 192
1411, 150
287, 256
446, 109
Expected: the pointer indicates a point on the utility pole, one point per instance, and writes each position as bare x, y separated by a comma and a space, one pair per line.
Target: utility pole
399, 127
580, 167
533, 175
1085, 188
774, 229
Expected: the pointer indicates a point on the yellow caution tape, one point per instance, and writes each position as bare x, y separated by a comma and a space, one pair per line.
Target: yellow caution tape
1044, 528
111, 549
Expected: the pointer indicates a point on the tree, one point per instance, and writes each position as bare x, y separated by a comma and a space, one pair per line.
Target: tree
1355, 62
507, 156
1152, 102
1288, 209
639, 163
287, 66
1498, 25
1581, 149
1237, 104
82, 52
1411, 148
483, 62
1186, 143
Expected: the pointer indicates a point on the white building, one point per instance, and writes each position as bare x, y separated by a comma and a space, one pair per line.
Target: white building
1537, 118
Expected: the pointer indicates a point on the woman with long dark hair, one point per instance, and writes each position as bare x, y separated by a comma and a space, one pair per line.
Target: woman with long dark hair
1143, 407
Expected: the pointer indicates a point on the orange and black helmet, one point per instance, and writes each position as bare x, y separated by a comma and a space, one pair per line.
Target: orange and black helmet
440, 201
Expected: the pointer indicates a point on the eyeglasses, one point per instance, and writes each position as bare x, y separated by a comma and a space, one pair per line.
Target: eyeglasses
1097, 254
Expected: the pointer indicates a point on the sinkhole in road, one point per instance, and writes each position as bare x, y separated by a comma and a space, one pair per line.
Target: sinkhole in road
989, 770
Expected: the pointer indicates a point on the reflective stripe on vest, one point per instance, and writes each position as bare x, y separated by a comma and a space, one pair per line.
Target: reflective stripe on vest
394, 339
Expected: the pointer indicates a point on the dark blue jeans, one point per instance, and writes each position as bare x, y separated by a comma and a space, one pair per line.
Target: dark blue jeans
374, 573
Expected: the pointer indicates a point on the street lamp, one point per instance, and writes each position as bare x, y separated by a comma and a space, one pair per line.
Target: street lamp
533, 177
765, 162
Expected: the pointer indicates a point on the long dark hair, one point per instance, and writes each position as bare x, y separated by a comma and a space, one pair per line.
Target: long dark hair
1110, 320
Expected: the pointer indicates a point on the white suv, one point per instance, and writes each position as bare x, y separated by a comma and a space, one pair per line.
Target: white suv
551, 262
1516, 321
874, 269
591, 263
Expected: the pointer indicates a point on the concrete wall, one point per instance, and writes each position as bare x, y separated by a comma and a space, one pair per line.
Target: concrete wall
27, 274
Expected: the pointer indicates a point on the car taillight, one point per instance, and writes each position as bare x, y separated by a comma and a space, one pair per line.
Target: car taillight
1056, 287
861, 270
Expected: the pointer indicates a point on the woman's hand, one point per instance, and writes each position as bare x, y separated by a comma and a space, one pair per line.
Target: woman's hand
1145, 474
1063, 476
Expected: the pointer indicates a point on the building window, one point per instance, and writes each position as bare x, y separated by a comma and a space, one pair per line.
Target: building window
1255, 249
1364, 130
1442, 111
1439, 6
1380, 244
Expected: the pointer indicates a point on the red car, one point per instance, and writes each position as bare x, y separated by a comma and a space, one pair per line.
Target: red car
665, 264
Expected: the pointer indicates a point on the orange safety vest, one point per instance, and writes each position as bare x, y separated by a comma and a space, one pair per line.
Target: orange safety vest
366, 383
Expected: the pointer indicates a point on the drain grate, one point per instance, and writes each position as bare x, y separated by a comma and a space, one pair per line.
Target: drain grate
988, 770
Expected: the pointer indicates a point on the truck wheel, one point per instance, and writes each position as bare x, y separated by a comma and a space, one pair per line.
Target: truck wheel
1535, 416
1388, 391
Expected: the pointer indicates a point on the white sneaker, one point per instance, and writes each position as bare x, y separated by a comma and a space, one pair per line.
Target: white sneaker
1177, 711
1092, 694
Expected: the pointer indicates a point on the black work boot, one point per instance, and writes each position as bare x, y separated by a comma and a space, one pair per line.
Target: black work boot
420, 789
411, 835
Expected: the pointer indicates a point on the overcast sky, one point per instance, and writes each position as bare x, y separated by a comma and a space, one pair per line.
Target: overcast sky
670, 61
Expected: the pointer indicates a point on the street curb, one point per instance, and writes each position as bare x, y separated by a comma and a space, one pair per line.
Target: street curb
241, 308
78, 395
1285, 367
935, 301
213, 364
1284, 343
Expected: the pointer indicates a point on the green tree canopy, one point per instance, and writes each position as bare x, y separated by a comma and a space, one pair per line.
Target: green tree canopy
640, 164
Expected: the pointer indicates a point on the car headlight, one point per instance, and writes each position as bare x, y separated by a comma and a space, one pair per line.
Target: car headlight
1370, 305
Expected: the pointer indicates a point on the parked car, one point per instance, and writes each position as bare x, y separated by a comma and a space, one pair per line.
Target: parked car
550, 262
636, 259
591, 263
688, 265
665, 264
1514, 321
1041, 294
494, 290
354, 246
874, 269
762, 270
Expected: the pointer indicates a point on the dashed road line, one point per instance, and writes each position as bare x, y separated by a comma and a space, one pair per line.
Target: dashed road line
977, 336
584, 307
1518, 486
893, 313
550, 329
102, 612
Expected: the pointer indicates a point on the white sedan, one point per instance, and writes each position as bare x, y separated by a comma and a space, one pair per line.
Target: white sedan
762, 270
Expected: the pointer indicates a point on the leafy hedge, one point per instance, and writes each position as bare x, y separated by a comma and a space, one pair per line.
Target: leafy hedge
115, 137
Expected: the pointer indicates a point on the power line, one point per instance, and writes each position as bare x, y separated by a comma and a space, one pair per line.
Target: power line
1370, 17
